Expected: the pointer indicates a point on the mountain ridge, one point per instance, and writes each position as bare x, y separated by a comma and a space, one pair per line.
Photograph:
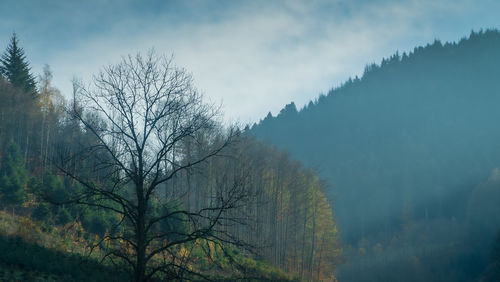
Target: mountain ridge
395, 103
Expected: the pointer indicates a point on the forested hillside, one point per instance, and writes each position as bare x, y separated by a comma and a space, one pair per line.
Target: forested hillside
406, 148
140, 179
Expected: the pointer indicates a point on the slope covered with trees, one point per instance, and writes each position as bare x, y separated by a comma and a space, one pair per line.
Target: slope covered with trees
138, 175
405, 147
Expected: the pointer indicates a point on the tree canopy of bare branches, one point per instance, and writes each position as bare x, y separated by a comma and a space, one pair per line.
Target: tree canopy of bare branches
140, 112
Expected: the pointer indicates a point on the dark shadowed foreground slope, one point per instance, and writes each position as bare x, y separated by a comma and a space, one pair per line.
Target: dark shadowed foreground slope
403, 148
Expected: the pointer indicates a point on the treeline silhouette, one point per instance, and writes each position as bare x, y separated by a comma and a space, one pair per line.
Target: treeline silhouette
405, 148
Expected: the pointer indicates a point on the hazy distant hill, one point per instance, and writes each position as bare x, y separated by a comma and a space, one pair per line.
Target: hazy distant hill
411, 138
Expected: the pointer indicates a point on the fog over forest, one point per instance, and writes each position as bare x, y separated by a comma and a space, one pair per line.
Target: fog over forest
118, 162
410, 151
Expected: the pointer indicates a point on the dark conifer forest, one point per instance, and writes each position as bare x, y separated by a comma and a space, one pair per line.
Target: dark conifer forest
411, 154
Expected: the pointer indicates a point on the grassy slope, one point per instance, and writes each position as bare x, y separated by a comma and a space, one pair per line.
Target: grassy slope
31, 252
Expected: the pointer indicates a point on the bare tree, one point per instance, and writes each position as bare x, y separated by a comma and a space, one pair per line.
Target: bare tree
140, 112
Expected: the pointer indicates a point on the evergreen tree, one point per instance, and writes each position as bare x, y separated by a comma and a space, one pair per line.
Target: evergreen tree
15, 68
13, 176
41, 212
53, 188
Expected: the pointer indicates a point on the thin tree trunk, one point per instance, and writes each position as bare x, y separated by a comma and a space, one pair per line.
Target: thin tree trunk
27, 146
42, 139
140, 271
304, 230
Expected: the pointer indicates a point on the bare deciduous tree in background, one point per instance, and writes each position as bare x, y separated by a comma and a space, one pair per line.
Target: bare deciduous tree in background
140, 111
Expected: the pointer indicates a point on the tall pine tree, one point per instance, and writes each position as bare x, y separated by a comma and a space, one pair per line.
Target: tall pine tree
15, 68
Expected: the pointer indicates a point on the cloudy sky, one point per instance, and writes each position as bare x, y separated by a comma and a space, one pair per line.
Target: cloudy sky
252, 56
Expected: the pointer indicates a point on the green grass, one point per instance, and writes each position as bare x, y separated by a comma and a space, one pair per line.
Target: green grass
30, 251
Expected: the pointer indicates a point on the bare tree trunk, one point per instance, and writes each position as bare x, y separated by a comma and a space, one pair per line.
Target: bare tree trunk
42, 139
27, 146
304, 231
140, 271
318, 270
46, 148
313, 242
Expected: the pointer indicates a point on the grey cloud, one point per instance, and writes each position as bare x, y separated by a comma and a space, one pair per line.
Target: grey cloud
255, 56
